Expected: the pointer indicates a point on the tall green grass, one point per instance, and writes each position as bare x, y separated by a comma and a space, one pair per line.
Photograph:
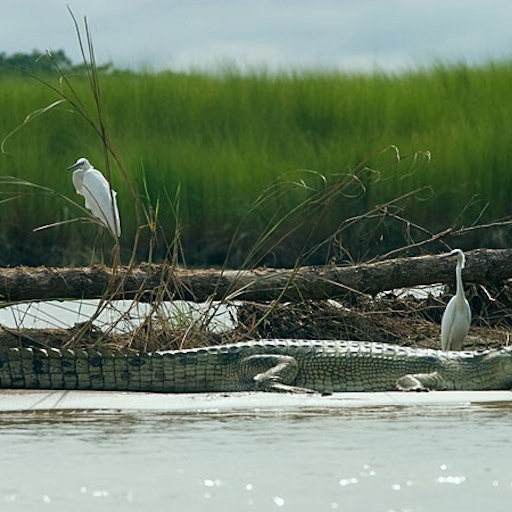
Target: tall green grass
224, 139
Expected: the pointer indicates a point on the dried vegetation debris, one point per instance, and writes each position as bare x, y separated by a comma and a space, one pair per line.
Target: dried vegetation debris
391, 318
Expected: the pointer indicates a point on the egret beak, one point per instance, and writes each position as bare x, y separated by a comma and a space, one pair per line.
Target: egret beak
73, 167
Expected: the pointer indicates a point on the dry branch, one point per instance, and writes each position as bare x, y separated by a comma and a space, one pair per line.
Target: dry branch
151, 282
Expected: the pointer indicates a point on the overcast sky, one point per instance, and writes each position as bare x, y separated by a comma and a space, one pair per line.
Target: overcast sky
341, 34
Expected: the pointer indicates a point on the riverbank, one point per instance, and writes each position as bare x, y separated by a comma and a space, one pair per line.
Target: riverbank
236, 403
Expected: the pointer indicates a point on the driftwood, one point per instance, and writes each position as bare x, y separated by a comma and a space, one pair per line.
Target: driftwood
151, 282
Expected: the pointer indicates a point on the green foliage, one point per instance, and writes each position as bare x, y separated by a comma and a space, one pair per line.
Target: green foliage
35, 62
39, 63
227, 139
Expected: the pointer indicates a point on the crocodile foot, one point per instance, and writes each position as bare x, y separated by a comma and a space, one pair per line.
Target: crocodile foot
272, 372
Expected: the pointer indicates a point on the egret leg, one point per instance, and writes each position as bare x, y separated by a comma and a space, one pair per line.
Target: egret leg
99, 246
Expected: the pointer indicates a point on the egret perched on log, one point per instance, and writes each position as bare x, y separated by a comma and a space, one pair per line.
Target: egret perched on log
100, 199
457, 315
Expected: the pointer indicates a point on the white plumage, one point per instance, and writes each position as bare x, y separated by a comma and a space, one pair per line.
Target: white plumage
457, 315
100, 199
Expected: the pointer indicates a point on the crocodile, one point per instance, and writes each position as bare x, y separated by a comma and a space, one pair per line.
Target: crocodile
306, 366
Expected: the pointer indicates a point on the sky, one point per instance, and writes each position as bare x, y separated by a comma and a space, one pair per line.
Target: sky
349, 35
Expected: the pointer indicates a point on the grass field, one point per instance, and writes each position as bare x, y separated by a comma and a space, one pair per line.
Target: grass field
299, 163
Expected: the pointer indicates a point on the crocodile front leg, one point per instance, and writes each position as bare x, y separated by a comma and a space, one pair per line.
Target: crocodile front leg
421, 382
271, 372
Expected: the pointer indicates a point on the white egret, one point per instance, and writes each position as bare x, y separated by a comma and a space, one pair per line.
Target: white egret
457, 315
100, 199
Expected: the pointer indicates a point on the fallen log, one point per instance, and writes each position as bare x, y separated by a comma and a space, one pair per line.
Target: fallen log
162, 282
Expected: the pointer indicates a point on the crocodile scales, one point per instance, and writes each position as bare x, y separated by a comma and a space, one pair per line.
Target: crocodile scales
267, 365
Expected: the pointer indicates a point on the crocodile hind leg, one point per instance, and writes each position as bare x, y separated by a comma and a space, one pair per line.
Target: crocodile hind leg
271, 372
421, 382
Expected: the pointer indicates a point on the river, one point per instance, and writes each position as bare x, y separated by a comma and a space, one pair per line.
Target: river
382, 458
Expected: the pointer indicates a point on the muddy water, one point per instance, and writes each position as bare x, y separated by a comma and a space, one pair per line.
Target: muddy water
441, 458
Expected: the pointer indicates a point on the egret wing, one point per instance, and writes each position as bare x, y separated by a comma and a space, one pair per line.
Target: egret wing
100, 201
447, 324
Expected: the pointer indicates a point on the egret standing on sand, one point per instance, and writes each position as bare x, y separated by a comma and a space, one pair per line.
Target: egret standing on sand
457, 316
100, 199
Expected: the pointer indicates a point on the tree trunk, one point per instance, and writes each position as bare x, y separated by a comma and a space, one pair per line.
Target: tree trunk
153, 282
